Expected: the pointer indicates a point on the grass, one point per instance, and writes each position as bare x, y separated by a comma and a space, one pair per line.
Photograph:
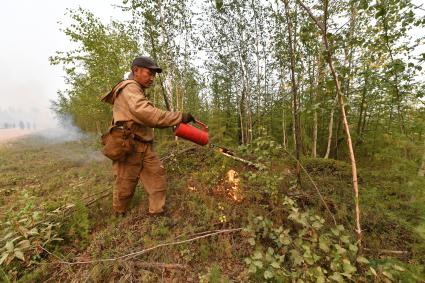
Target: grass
52, 175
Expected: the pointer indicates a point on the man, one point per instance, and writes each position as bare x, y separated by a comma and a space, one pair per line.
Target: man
132, 109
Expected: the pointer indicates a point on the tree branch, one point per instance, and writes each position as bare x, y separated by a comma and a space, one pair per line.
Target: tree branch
138, 253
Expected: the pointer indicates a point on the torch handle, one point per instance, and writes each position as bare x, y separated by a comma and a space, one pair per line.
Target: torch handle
205, 127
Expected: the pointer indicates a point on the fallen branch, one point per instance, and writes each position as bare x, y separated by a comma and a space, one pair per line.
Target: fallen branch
89, 203
197, 234
135, 254
388, 251
142, 264
161, 265
230, 154
249, 163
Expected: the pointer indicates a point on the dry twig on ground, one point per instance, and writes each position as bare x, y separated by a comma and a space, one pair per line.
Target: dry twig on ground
135, 254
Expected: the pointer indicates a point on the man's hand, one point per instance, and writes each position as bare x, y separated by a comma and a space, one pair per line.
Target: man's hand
187, 118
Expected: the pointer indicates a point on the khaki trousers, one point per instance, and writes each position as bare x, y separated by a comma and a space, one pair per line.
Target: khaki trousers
145, 165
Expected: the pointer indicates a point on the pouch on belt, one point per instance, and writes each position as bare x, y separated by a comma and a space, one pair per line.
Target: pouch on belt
117, 143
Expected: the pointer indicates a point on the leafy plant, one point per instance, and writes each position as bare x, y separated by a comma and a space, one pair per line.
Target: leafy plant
302, 249
26, 231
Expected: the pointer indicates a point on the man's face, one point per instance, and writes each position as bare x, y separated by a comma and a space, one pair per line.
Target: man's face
144, 76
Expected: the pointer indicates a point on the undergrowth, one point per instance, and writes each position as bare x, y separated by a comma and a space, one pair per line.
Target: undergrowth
288, 235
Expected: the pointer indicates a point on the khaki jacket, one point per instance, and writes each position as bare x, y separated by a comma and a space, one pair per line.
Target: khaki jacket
130, 104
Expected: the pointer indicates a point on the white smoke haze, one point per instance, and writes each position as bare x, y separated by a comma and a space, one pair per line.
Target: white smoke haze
31, 34
64, 130
61, 137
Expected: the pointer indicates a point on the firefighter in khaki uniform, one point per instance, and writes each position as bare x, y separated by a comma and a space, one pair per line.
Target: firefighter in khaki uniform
132, 109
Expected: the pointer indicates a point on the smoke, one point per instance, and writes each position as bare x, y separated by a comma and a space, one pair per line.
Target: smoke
63, 130
69, 142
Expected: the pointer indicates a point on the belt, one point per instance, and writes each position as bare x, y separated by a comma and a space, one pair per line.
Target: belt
136, 137
139, 139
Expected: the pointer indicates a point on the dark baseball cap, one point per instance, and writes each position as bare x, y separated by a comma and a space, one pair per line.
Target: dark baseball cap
146, 62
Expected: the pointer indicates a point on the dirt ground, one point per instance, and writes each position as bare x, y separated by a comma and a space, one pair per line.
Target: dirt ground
12, 134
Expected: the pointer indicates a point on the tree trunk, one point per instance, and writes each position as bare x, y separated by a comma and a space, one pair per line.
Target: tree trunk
323, 29
362, 107
283, 124
294, 93
315, 89
422, 168
330, 128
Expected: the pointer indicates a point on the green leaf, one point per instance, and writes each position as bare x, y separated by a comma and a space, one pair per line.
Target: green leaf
348, 268
345, 239
340, 250
33, 231
252, 269
251, 241
324, 244
362, 259
258, 264
284, 239
335, 231
275, 264
9, 246
337, 277
296, 257
270, 250
353, 248
268, 274
257, 255
388, 275
24, 244
398, 267
19, 255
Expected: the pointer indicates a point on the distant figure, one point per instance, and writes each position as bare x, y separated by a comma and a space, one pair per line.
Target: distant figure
133, 110
21, 125
28, 126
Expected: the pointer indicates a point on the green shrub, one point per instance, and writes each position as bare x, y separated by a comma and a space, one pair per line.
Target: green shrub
302, 248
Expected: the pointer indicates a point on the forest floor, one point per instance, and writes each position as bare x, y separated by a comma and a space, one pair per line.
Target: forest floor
58, 196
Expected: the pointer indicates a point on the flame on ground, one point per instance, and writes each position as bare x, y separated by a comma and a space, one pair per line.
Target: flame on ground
235, 189
229, 186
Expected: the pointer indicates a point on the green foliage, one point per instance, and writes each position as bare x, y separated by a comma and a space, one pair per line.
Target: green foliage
304, 249
24, 233
263, 147
214, 275
100, 61
77, 226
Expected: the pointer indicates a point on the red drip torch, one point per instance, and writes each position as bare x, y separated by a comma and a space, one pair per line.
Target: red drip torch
189, 132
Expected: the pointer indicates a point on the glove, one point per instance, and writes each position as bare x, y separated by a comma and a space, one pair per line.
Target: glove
187, 118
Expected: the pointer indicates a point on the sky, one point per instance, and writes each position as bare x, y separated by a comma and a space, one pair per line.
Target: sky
30, 33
